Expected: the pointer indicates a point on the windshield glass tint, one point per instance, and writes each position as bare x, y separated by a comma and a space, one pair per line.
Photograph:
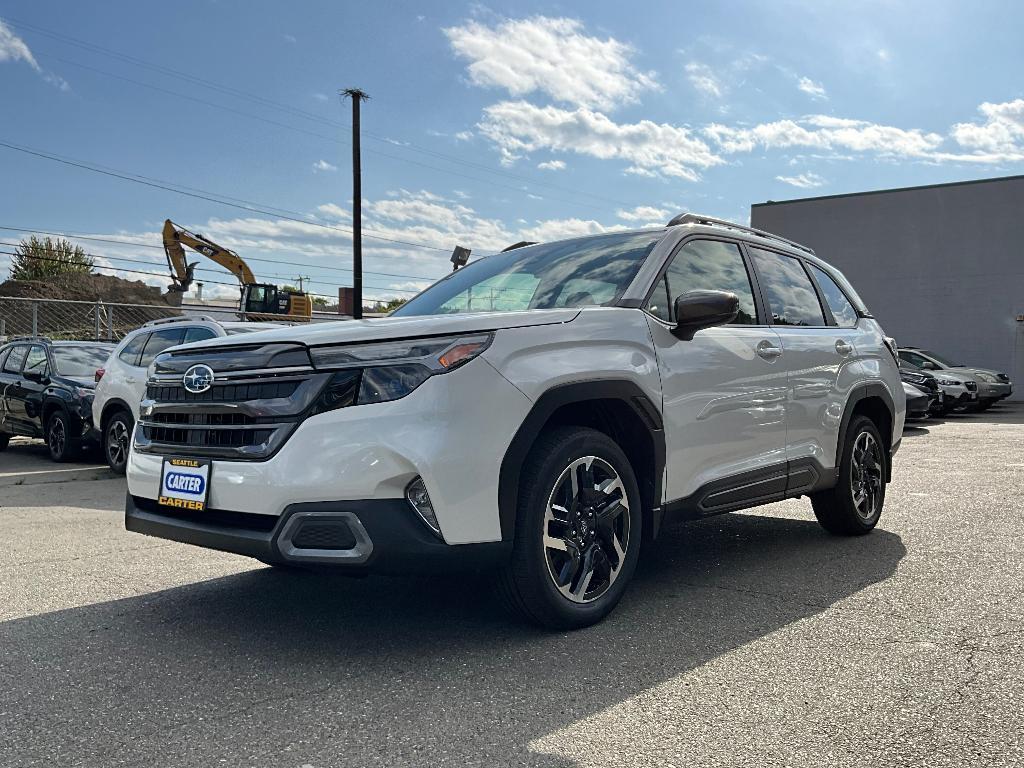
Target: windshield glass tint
79, 362
584, 272
940, 359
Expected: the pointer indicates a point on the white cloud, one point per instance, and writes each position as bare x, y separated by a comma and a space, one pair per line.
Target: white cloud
323, 165
290, 39
1002, 133
13, 48
826, 132
553, 56
563, 229
811, 88
704, 79
464, 135
518, 127
642, 213
320, 97
883, 54
552, 165
335, 211
803, 180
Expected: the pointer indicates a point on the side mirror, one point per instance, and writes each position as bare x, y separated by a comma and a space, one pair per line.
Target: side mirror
928, 365
696, 310
39, 377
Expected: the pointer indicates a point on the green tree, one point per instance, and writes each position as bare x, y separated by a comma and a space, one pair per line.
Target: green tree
42, 258
319, 301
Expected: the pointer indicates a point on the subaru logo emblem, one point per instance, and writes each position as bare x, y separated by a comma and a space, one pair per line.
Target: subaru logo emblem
198, 379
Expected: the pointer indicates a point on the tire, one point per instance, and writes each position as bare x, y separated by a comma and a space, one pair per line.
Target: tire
590, 529
4, 440
58, 437
843, 510
117, 435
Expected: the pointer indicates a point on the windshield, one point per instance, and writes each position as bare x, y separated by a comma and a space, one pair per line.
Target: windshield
80, 362
941, 360
587, 271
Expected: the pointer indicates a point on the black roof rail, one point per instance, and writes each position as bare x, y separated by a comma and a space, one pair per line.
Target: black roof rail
696, 218
29, 337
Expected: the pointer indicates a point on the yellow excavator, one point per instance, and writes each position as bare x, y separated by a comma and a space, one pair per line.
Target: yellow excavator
258, 299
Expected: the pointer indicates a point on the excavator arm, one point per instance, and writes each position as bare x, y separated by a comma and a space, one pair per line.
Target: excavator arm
181, 271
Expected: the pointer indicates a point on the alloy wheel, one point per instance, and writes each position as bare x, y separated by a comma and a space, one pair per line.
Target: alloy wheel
866, 479
586, 529
117, 443
58, 437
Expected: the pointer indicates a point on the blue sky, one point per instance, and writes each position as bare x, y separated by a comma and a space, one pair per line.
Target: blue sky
488, 124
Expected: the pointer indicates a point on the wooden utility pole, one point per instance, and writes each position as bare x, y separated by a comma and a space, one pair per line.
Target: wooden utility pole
357, 96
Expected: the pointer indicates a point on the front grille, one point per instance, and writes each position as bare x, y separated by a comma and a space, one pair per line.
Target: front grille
930, 384
258, 397
207, 438
223, 393
324, 535
972, 386
1003, 377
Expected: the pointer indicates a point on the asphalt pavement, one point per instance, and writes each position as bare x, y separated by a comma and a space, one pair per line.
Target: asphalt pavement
750, 639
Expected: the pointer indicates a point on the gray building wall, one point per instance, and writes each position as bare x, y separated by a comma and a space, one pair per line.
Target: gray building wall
941, 267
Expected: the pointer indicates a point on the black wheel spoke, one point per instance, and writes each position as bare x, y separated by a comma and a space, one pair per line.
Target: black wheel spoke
586, 529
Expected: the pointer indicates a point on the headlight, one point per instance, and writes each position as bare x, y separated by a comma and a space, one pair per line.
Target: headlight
948, 382
988, 378
378, 373
914, 378
437, 354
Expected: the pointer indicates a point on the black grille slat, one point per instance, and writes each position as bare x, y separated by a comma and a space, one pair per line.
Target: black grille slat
207, 438
223, 393
972, 386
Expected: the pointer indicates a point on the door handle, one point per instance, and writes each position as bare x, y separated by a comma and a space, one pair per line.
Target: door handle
767, 351
843, 348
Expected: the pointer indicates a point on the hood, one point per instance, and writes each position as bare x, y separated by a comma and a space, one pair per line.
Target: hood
969, 371
385, 328
79, 381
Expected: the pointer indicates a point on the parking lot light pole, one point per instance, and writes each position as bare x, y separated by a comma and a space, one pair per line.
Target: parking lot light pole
357, 206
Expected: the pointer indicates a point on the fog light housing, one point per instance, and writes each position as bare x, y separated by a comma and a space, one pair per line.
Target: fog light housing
419, 500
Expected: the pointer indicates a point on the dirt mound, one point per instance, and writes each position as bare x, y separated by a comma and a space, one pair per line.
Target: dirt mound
105, 288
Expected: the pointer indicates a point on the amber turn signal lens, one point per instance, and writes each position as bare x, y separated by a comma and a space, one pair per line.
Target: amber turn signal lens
459, 354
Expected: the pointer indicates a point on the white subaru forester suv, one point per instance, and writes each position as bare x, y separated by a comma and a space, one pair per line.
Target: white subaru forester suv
540, 413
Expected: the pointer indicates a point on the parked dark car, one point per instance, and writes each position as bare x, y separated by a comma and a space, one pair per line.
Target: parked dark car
46, 391
927, 383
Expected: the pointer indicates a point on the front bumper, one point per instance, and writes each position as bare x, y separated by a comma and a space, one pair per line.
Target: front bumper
988, 391
371, 535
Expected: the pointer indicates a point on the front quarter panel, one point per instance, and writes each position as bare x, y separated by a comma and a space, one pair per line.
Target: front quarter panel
601, 343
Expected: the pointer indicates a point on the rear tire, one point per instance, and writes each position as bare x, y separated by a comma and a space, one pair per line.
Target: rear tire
63, 447
578, 530
4, 440
117, 435
854, 506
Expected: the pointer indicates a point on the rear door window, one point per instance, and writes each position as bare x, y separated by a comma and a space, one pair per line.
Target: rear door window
842, 310
15, 359
158, 342
788, 290
132, 350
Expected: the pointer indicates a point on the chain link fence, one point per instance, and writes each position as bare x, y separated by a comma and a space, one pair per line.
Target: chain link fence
106, 321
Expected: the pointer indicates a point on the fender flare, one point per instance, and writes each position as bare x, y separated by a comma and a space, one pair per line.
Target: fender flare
550, 401
113, 405
863, 392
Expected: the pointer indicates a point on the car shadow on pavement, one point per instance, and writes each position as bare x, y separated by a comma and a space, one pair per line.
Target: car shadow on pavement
271, 667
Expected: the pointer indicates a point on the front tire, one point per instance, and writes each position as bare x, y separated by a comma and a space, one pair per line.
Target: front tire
117, 435
854, 506
59, 437
578, 530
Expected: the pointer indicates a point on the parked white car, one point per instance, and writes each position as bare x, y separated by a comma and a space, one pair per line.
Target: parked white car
121, 385
538, 413
989, 387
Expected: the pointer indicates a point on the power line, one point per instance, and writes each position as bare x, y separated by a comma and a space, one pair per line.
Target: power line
263, 101
208, 196
91, 237
164, 275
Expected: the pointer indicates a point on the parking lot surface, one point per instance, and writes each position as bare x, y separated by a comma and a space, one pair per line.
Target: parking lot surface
747, 639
